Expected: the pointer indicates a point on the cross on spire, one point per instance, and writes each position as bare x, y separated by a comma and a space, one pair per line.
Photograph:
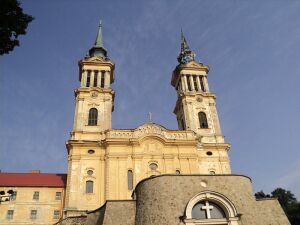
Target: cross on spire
150, 117
207, 209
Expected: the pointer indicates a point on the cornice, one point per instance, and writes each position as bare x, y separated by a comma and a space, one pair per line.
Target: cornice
96, 61
150, 130
94, 89
222, 146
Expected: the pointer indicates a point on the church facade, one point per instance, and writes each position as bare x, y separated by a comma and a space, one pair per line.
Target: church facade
113, 161
150, 174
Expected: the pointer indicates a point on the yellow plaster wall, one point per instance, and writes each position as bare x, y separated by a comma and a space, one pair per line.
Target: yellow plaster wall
24, 203
117, 153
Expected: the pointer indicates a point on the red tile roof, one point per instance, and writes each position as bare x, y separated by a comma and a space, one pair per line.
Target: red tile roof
33, 180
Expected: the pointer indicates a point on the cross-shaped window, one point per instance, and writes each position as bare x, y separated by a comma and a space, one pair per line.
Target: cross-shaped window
207, 207
207, 210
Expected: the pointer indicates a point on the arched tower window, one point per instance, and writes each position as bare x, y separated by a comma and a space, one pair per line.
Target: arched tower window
93, 116
130, 179
89, 186
202, 120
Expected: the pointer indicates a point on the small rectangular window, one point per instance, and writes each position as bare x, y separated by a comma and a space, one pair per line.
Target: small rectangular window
56, 214
130, 179
10, 214
195, 83
89, 186
95, 78
102, 78
33, 214
36, 195
88, 78
58, 196
13, 197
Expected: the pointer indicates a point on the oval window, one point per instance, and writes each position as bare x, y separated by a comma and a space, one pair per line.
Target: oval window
153, 166
209, 153
91, 151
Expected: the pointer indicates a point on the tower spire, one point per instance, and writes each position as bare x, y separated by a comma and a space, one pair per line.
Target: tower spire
99, 41
184, 44
186, 55
98, 49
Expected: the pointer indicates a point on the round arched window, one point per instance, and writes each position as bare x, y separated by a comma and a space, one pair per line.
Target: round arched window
207, 210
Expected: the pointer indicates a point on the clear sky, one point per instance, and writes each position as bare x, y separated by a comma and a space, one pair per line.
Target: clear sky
252, 48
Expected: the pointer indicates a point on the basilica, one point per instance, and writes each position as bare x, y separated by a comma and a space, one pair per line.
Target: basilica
148, 175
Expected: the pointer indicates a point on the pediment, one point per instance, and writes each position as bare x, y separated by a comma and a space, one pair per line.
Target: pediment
95, 59
194, 65
149, 129
150, 126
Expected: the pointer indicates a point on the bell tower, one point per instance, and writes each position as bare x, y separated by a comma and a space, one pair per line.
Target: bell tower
196, 111
196, 106
94, 97
93, 117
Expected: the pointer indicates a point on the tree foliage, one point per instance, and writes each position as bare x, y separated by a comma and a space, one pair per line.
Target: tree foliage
13, 22
287, 201
261, 194
284, 197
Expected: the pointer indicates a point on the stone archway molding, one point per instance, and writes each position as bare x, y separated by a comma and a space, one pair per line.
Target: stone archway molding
221, 200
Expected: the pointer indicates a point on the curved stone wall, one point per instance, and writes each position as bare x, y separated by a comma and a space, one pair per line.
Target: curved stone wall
162, 200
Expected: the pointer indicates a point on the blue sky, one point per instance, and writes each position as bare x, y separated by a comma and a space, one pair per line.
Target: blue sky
252, 48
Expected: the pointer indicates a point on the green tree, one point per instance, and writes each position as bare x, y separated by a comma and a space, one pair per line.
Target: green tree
13, 22
261, 194
293, 213
289, 204
287, 201
285, 198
